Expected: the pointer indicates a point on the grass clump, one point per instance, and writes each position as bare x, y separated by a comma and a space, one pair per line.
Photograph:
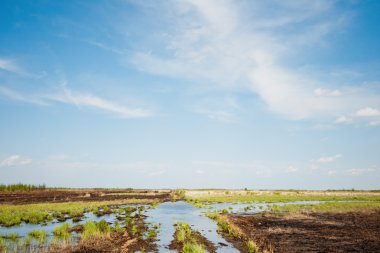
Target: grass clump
252, 247
193, 248
183, 232
93, 229
12, 236
151, 234
2, 244
62, 232
39, 235
188, 241
179, 194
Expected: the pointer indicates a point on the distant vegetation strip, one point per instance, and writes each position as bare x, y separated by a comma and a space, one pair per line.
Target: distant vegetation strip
277, 196
21, 187
333, 207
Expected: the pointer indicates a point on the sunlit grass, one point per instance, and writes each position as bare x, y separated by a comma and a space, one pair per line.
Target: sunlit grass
327, 207
62, 232
193, 248
39, 235
11, 215
183, 232
279, 196
93, 229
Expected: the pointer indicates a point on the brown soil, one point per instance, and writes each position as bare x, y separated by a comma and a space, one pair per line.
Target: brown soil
316, 232
50, 195
196, 236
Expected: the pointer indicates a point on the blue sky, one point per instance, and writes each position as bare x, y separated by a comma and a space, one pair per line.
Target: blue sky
195, 93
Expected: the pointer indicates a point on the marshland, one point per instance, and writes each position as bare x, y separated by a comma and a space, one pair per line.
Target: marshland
179, 220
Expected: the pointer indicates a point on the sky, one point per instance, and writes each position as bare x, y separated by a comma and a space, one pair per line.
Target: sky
278, 94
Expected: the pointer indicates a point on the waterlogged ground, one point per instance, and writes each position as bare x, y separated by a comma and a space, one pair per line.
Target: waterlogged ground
165, 215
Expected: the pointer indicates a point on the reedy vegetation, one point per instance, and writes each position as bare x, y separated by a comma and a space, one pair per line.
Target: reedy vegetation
11, 215
21, 187
278, 196
184, 235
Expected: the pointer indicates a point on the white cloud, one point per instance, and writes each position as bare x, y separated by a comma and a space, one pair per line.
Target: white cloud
90, 100
232, 52
329, 159
199, 171
374, 123
77, 99
291, 169
320, 92
344, 120
264, 173
221, 109
358, 172
9, 65
30, 98
368, 112
156, 173
332, 172
15, 160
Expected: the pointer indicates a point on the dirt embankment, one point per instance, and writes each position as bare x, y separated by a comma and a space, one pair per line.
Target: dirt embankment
316, 232
42, 196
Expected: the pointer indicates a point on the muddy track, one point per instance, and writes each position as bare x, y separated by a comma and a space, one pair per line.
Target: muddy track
317, 232
79, 195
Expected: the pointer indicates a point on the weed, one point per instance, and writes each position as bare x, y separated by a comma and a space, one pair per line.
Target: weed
103, 226
89, 229
62, 232
252, 247
12, 236
193, 248
117, 227
134, 230
151, 234
179, 194
183, 231
2, 245
38, 235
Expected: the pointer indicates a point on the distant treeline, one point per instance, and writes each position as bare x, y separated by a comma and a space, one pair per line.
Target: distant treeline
21, 187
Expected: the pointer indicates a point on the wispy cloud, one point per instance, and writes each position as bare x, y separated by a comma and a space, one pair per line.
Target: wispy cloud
368, 112
221, 109
360, 171
156, 173
90, 100
200, 172
15, 160
291, 169
17, 96
329, 159
70, 97
230, 52
9, 65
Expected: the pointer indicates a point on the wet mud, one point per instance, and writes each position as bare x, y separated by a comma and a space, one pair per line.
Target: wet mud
315, 232
56, 196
